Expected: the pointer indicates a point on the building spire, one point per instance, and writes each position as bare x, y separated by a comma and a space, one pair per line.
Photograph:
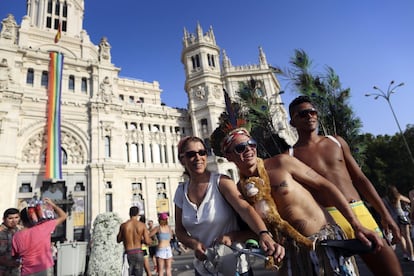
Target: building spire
199, 31
211, 34
226, 61
262, 56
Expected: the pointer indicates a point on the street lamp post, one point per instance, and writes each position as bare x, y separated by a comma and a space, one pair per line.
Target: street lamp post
386, 96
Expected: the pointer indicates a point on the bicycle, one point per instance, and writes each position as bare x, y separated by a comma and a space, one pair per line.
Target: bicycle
223, 259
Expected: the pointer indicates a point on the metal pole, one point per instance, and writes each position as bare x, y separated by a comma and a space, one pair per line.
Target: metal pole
387, 96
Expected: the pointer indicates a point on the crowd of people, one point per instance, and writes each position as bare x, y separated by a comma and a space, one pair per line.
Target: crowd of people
289, 203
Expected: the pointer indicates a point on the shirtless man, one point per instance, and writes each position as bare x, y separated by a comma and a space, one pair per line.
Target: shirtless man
131, 233
332, 158
296, 205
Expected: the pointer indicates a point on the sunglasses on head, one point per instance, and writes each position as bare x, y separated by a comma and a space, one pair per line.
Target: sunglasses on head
192, 153
240, 148
306, 112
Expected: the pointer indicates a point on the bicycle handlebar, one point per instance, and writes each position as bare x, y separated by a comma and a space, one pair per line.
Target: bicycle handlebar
222, 258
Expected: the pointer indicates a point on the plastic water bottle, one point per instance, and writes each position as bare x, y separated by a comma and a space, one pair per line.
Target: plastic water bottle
39, 210
31, 212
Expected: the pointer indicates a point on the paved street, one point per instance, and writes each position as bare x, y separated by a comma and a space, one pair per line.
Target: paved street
182, 266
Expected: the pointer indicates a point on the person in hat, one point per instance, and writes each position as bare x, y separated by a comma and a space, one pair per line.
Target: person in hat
164, 252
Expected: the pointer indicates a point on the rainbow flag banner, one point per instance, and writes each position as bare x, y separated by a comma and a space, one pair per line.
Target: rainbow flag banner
53, 152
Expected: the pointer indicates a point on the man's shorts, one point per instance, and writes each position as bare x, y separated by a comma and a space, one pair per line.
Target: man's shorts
363, 215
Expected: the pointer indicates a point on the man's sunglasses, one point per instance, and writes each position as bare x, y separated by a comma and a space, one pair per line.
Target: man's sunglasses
191, 153
240, 148
306, 112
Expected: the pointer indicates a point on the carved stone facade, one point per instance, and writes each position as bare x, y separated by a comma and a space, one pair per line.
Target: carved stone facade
118, 142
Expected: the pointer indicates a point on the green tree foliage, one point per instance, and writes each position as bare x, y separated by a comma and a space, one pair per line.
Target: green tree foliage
336, 117
257, 113
388, 162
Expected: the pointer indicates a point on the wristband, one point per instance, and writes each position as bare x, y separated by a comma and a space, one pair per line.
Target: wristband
265, 232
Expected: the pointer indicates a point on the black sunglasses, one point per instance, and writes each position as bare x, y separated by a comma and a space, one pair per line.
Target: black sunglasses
306, 112
240, 148
191, 153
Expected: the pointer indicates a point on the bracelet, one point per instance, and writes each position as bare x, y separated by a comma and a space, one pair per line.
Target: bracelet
265, 232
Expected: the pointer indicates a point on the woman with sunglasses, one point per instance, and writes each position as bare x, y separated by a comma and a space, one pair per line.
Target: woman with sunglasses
206, 206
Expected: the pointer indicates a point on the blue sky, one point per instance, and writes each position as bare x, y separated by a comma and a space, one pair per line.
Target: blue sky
366, 42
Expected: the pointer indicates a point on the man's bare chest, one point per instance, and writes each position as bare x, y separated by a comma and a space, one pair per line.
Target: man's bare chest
320, 158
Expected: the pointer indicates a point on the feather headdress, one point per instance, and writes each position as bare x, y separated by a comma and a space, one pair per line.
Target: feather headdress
229, 122
234, 114
252, 112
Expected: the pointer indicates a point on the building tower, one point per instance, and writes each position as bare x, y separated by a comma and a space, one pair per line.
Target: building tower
203, 84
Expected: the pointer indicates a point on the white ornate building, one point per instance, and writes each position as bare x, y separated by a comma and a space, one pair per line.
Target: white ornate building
118, 140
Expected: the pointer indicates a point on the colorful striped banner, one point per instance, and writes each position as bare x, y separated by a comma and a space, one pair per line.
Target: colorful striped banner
54, 152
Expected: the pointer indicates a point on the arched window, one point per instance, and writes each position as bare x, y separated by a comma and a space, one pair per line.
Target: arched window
84, 85
65, 9
197, 57
30, 76
210, 59
45, 78
49, 6
204, 126
64, 157
57, 8
71, 84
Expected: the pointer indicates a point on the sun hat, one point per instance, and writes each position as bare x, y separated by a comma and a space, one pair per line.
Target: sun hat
163, 216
